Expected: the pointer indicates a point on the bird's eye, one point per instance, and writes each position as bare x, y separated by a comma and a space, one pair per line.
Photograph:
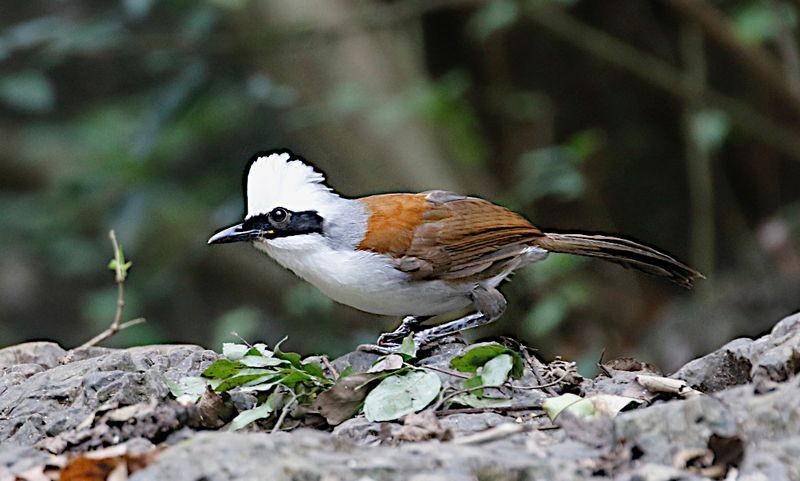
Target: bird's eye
279, 216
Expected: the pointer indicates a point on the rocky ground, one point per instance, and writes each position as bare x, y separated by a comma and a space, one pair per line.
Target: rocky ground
108, 414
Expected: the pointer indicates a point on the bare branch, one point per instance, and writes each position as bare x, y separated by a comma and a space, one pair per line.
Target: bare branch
662, 75
757, 61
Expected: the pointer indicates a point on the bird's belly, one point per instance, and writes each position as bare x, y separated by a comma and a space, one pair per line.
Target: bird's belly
367, 281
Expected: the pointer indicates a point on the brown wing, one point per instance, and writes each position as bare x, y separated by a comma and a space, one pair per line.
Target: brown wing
444, 235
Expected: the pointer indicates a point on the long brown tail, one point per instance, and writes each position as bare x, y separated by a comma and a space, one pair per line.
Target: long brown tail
621, 251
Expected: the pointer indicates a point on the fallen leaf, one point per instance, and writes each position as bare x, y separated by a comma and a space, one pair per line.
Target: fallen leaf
474, 401
408, 348
246, 417
392, 362
479, 354
660, 384
234, 351
496, 370
600, 404
399, 395
343, 399
422, 426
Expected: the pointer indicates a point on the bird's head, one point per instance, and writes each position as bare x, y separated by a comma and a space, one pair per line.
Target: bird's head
286, 200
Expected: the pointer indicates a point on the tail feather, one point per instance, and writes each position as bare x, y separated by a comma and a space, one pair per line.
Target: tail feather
625, 252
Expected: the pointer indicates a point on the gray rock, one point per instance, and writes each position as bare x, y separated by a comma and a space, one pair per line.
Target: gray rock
728, 366
306, 455
64, 400
770, 359
45, 354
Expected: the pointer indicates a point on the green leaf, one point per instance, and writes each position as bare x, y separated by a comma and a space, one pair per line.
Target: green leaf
495, 372
479, 354
294, 376
260, 386
292, 357
260, 349
223, 368
408, 348
243, 377
314, 369
474, 401
581, 407
399, 395
261, 361
246, 417
474, 383
599, 404
391, 362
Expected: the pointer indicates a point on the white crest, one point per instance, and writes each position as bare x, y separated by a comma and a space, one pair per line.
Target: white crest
280, 180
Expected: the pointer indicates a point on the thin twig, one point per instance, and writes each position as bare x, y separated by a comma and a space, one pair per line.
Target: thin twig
116, 326
457, 392
110, 332
494, 433
327, 363
521, 407
284, 412
533, 363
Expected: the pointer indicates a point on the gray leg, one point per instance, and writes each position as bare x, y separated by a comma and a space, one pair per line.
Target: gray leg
410, 324
490, 305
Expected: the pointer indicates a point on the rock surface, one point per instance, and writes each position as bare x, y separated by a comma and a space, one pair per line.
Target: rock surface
745, 426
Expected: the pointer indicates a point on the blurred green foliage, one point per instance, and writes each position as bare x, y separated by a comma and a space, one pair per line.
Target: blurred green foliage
140, 114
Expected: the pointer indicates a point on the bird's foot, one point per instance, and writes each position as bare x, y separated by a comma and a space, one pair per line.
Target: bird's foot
409, 325
376, 349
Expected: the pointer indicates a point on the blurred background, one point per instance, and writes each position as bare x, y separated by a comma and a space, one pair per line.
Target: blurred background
674, 122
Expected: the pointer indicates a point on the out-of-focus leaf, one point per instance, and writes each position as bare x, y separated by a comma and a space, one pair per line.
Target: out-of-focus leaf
137, 8
547, 315
479, 354
243, 320
399, 395
303, 299
710, 128
493, 16
550, 171
28, 90
757, 22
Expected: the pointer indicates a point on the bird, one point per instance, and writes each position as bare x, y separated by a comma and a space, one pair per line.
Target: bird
410, 255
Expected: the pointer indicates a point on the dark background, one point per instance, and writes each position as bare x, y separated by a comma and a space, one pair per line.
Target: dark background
673, 122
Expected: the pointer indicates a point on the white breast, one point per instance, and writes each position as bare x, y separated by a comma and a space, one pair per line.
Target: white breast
364, 280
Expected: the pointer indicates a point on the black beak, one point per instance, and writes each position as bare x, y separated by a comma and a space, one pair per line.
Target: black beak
235, 233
